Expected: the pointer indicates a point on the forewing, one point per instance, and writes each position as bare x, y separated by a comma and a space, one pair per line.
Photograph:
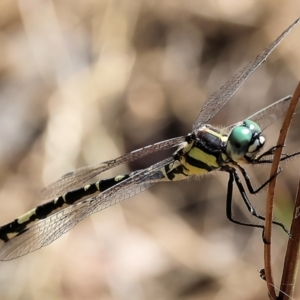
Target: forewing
45, 231
77, 178
269, 114
218, 99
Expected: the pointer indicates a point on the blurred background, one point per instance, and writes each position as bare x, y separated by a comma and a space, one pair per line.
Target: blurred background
86, 81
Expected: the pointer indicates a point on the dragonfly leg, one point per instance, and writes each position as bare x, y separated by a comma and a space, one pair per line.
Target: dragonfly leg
271, 151
260, 159
248, 181
255, 191
287, 156
235, 177
229, 213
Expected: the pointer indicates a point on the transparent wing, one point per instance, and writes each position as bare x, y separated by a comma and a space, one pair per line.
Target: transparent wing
218, 99
77, 178
45, 231
269, 114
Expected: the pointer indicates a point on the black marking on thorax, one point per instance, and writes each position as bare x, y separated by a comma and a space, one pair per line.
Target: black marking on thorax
209, 142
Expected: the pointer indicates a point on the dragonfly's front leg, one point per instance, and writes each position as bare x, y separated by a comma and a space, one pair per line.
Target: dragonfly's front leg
260, 159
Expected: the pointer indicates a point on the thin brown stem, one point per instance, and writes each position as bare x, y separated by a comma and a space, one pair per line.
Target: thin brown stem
292, 253
271, 193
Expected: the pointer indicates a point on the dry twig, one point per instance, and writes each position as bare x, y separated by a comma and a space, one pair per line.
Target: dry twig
289, 278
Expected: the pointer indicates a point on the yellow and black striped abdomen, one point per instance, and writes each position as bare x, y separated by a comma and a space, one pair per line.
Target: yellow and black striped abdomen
47, 209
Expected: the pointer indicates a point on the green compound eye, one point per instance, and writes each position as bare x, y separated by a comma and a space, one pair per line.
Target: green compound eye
252, 126
244, 140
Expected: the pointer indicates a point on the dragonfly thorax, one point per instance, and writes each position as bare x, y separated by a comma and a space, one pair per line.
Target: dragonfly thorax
244, 141
203, 151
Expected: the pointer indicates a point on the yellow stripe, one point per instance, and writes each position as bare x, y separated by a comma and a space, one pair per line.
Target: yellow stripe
193, 170
26, 217
119, 177
11, 235
200, 155
87, 187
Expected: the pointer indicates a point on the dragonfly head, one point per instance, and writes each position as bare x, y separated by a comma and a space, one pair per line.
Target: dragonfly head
244, 141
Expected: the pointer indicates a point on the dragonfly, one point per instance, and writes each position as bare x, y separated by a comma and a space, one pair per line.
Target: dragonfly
204, 150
